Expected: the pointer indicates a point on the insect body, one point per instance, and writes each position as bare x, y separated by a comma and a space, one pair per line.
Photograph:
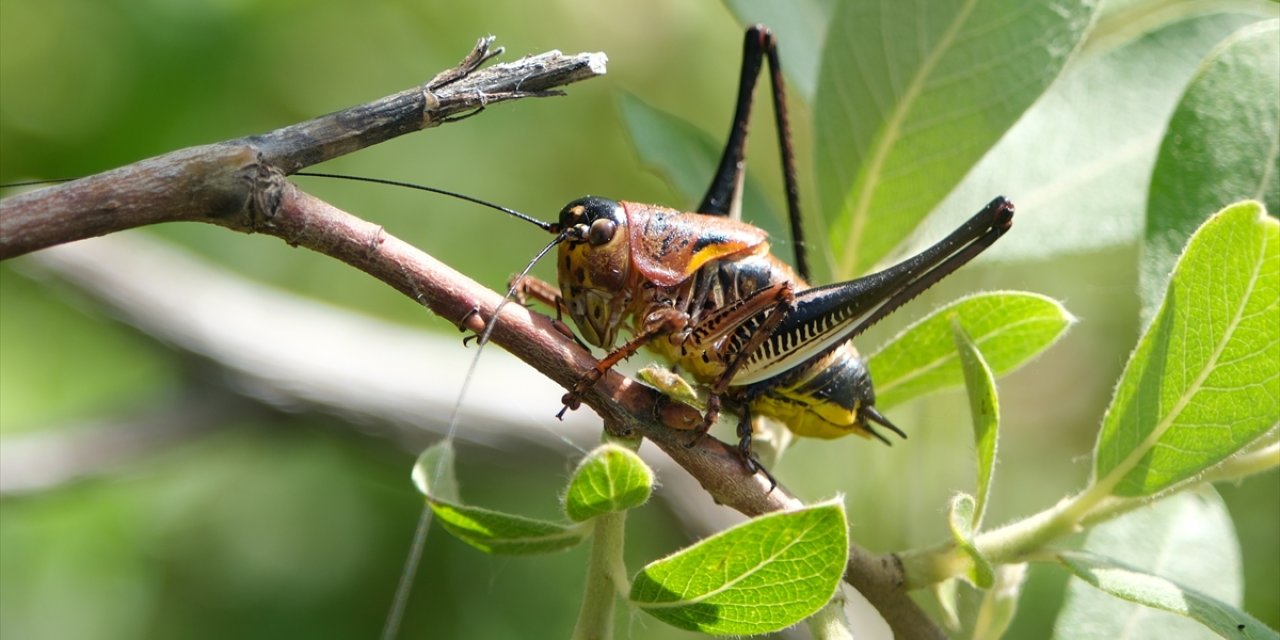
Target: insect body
705, 293
701, 286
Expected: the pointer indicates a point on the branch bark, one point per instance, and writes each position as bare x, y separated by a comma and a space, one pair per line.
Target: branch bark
240, 185
214, 181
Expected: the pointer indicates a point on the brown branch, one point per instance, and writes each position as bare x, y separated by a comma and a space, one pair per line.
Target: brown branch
211, 181
240, 185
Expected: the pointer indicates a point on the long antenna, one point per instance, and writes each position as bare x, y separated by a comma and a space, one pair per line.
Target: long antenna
545, 226
392, 626
35, 183
404, 587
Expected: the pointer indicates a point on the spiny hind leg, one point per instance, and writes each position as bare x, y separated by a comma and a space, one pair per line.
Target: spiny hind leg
766, 308
724, 194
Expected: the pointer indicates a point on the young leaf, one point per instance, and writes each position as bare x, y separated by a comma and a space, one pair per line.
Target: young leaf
960, 518
1009, 327
504, 533
761, 576
1222, 145
909, 100
1153, 591
1187, 538
985, 410
487, 530
1202, 382
610, 479
1078, 163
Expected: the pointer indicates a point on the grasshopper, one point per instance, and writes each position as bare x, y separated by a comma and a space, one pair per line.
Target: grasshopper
703, 291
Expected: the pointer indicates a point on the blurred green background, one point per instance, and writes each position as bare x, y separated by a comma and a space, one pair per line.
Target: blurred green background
275, 524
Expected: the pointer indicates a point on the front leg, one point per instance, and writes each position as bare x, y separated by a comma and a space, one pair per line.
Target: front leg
539, 290
660, 322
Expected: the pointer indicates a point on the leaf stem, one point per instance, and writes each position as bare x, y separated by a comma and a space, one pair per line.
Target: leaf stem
1023, 540
1014, 542
606, 578
830, 622
1253, 462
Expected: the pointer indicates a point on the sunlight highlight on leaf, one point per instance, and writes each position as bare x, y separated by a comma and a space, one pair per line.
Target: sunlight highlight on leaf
1203, 381
610, 479
485, 529
761, 576
1187, 539
960, 519
1222, 146
912, 94
1009, 327
984, 408
1078, 164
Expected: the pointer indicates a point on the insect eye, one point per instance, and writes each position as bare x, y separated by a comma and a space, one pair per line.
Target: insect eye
601, 232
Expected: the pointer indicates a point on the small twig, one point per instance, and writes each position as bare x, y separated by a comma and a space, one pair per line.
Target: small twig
451, 93
214, 180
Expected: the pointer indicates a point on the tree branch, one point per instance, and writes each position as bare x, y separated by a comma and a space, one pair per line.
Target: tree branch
212, 181
240, 185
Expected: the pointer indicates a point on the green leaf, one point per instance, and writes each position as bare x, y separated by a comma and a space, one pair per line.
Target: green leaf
686, 157
487, 530
984, 408
1153, 591
800, 27
1202, 382
504, 533
911, 96
1078, 163
1009, 327
960, 518
761, 576
1187, 539
610, 479
1222, 146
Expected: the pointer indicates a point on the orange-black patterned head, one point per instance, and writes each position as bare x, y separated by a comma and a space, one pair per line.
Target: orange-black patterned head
593, 266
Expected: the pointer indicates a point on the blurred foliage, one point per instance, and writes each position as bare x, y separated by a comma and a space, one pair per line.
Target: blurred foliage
296, 526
